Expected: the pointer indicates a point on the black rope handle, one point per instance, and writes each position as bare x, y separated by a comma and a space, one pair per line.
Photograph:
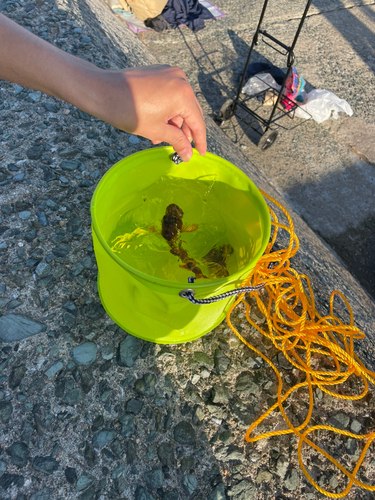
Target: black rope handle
189, 293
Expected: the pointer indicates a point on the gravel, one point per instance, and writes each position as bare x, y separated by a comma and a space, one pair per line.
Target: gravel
87, 411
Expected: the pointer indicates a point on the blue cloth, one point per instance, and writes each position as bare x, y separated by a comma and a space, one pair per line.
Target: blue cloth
188, 12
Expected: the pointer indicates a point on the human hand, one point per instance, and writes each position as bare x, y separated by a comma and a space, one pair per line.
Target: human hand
155, 102
152, 101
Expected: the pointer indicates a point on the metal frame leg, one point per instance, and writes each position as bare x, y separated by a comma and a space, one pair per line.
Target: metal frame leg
254, 42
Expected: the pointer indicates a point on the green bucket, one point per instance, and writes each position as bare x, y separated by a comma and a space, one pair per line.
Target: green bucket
149, 306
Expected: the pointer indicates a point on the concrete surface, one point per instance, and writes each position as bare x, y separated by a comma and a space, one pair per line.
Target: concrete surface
326, 171
90, 412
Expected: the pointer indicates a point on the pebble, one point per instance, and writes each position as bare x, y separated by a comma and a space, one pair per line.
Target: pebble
61, 250
283, 362
48, 465
282, 465
189, 483
264, 476
146, 385
107, 352
184, 433
24, 215
13, 304
84, 482
68, 165
19, 454
220, 394
166, 454
73, 224
87, 381
51, 107
128, 351
35, 96
35, 152
134, 406
119, 478
11, 480
74, 396
53, 369
245, 383
133, 139
203, 359
244, 490
84, 354
16, 376
154, 479
90, 455
43, 269
6, 410
355, 426
333, 482
292, 480
71, 475
127, 426
340, 421
4, 302
69, 319
103, 437
42, 218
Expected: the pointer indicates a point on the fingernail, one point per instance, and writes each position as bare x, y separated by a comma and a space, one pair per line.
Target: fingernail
185, 154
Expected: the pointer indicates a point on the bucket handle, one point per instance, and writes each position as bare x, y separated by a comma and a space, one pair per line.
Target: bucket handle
189, 293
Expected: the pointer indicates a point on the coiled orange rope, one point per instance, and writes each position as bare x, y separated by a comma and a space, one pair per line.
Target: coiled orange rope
300, 333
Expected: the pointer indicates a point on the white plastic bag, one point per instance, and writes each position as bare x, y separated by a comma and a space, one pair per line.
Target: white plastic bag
320, 103
259, 83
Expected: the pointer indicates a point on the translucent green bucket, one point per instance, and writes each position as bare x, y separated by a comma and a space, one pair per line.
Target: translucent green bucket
150, 307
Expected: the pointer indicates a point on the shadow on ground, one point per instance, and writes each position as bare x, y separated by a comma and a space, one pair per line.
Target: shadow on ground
360, 37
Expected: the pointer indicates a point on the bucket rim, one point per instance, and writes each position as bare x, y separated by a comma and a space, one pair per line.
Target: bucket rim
213, 284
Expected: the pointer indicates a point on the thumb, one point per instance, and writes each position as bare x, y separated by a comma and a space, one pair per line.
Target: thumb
179, 141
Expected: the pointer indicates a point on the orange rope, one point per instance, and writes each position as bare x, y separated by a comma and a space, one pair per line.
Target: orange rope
300, 333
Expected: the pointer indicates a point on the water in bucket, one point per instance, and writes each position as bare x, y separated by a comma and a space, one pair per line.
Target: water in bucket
206, 247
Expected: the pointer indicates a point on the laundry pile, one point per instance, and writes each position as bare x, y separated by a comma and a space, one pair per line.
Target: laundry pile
160, 15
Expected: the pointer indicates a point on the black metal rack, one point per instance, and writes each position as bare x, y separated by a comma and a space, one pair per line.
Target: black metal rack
272, 122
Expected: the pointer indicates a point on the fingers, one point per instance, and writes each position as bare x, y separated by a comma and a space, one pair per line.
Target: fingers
179, 141
197, 129
193, 120
177, 121
186, 130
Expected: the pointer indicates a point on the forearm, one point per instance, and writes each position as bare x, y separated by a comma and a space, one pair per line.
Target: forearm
153, 101
30, 61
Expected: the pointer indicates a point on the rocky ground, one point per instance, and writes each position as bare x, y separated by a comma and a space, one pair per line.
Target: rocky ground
86, 410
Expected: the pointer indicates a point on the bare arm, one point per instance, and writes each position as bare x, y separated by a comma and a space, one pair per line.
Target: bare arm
151, 101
